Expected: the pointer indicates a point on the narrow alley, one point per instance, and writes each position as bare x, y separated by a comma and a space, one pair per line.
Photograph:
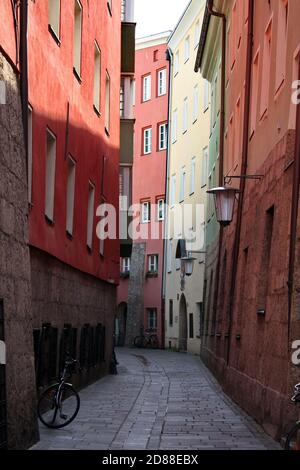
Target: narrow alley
159, 400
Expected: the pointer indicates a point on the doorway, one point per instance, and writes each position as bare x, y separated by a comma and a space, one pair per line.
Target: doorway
3, 423
183, 326
120, 326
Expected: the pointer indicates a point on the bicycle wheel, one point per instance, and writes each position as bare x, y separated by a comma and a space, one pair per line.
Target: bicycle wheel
293, 439
154, 341
139, 341
58, 407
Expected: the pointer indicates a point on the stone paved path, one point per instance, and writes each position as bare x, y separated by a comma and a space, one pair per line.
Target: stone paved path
159, 400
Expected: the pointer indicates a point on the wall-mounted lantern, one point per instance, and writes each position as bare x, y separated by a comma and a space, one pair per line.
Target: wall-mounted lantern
224, 203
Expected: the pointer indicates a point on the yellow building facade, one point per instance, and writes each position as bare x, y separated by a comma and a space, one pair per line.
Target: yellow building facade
189, 124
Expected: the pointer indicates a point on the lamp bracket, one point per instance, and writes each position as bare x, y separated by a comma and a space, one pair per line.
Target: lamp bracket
228, 178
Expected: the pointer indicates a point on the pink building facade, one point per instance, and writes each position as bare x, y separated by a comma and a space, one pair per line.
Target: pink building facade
140, 292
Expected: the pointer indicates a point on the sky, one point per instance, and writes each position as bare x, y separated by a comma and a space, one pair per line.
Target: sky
156, 16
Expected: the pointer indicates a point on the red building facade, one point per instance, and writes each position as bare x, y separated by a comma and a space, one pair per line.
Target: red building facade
140, 294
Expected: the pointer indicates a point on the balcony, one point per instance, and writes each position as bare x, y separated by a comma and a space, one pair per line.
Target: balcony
128, 48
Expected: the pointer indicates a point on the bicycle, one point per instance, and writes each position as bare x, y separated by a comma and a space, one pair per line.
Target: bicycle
293, 437
145, 340
59, 404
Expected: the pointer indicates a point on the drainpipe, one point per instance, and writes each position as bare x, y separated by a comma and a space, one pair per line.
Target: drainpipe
237, 238
24, 69
166, 225
294, 220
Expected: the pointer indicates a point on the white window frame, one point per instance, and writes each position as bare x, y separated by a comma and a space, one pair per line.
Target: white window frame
174, 126
173, 190
206, 95
195, 103
51, 149
160, 210
126, 264
153, 311
182, 184
162, 137
169, 256
204, 167
70, 195
152, 263
107, 101
197, 34
97, 77
90, 215
186, 49
54, 7
147, 141
193, 176
185, 116
146, 212
162, 82
77, 43
146, 88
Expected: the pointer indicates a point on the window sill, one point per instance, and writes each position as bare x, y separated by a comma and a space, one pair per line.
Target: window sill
96, 110
146, 154
162, 150
184, 132
192, 193
124, 275
49, 221
195, 120
151, 274
89, 249
77, 75
54, 35
107, 132
69, 235
146, 101
109, 8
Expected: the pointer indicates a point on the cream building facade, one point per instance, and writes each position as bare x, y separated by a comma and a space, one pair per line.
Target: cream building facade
189, 124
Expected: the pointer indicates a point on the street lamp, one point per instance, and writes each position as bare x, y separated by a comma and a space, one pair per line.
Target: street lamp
187, 264
224, 203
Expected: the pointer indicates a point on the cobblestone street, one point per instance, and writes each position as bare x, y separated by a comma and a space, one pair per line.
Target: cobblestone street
158, 400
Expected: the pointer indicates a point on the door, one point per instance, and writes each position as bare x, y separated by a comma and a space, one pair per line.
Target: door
3, 426
183, 327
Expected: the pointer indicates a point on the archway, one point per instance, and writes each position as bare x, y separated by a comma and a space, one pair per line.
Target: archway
120, 327
183, 326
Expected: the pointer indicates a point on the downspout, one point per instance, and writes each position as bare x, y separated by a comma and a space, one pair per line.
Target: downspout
294, 220
24, 69
245, 152
221, 16
166, 226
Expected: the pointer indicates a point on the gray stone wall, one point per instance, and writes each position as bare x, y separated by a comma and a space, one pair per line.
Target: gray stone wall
15, 268
62, 294
135, 293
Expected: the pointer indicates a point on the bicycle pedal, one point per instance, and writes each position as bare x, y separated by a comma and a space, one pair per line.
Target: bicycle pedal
64, 417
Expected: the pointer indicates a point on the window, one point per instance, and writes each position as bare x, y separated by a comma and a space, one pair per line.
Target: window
123, 10
191, 326
185, 116
186, 49
107, 102
169, 255
97, 75
147, 88
70, 196
193, 175
152, 318
174, 126
147, 141
50, 175
109, 6
90, 215
283, 14
266, 71
153, 263
265, 266
176, 63
54, 16
237, 131
182, 184
197, 34
162, 143
122, 98
160, 209
204, 167
29, 155
254, 95
206, 95
173, 190
162, 82
171, 313
126, 265
195, 103
77, 37
146, 214
155, 55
